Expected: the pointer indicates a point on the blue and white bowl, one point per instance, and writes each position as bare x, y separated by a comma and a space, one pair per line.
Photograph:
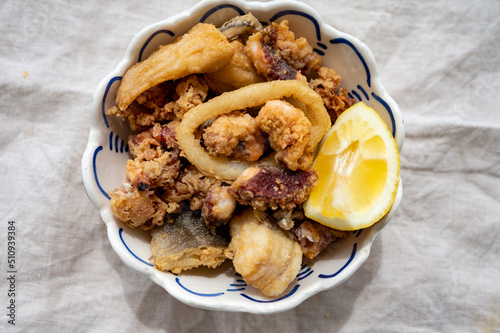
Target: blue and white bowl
103, 163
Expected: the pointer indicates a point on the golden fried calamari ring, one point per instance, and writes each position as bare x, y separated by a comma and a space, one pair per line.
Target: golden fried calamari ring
250, 96
203, 49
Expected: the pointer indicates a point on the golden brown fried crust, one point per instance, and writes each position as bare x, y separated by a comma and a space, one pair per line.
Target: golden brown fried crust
295, 52
289, 133
138, 208
156, 158
327, 86
314, 237
148, 108
203, 49
191, 91
238, 73
265, 187
235, 135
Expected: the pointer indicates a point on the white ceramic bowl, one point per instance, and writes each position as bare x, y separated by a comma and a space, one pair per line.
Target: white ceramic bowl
103, 163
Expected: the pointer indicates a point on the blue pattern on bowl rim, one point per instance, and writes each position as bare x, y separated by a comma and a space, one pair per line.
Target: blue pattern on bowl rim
334, 266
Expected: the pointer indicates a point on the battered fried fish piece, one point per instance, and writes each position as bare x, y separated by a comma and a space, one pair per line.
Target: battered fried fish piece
314, 237
266, 256
187, 243
289, 133
201, 50
327, 86
265, 187
235, 135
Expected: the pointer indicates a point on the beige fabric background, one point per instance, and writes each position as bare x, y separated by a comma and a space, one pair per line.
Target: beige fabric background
435, 268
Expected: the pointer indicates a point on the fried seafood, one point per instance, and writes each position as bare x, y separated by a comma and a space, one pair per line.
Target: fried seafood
253, 95
327, 85
228, 121
156, 157
266, 256
289, 133
218, 206
148, 108
314, 237
192, 91
191, 186
137, 209
201, 50
277, 55
238, 73
235, 135
265, 187
240, 25
187, 243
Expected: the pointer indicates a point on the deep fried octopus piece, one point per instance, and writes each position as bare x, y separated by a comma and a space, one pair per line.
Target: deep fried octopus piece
314, 237
271, 187
296, 52
277, 55
218, 207
327, 85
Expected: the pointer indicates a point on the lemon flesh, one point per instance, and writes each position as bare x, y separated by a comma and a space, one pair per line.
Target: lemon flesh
358, 167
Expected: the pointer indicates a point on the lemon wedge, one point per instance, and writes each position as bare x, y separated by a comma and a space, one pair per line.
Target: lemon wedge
358, 166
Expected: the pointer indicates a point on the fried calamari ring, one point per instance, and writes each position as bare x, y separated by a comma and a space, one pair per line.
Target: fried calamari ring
203, 49
250, 96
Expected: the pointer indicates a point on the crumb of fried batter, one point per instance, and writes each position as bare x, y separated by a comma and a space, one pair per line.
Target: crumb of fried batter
327, 86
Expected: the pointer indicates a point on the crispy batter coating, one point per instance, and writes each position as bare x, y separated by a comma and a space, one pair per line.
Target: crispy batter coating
327, 86
265, 187
218, 206
267, 61
190, 185
203, 49
148, 108
277, 55
314, 237
137, 208
243, 98
296, 52
238, 73
289, 133
156, 158
235, 135
187, 243
191, 91
266, 256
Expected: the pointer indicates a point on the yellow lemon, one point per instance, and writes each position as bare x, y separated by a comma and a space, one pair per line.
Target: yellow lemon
358, 166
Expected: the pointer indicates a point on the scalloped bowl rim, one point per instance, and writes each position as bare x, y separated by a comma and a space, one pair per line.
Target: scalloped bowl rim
97, 136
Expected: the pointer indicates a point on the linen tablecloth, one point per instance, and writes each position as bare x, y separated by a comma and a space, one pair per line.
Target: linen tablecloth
434, 268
